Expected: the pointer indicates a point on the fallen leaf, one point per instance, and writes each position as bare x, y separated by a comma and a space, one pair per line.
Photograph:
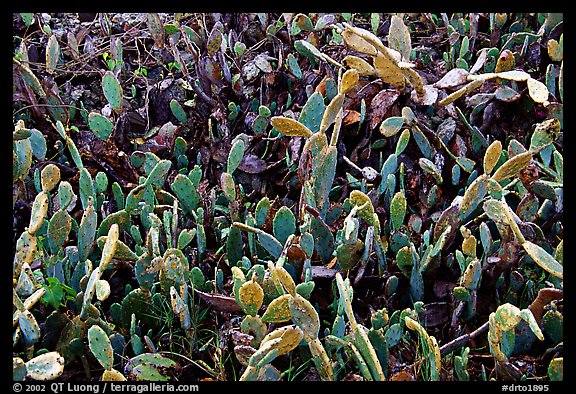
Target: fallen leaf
380, 104
252, 164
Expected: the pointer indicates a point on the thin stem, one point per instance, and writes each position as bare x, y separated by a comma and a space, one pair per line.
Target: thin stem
463, 340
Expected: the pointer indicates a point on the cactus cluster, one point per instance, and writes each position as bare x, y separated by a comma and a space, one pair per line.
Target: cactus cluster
164, 260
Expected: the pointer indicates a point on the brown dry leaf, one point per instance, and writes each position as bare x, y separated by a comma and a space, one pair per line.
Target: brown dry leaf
252, 164
220, 302
156, 28
350, 117
380, 104
480, 61
545, 296
403, 375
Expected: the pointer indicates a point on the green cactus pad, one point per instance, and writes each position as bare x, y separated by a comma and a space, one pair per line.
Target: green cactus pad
304, 316
405, 261
101, 347
228, 186
291, 336
138, 302
50, 176
58, 230
250, 297
473, 196
22, 159
52, 54
323, 239
234, 246
185, 237
121, 218
149, 367
305, 289
235, 156
158, 174
556, 369
331, 111
178, 111
143, 276
312, 112
397, 210
186, 193
255, 326
19, 370
31, 80
29, 328
39, 211
73, 151
122, 252
86, 231
544, 259
100, 125
197, 278
112, 91
112, 376
278, 311
47, 366
87, 189
283, 224
391, 126
138, 194
261, 212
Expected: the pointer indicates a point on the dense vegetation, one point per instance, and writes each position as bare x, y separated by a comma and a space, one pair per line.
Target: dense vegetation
288, 196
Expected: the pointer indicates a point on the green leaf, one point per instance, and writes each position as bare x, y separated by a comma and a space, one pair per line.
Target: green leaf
54, 292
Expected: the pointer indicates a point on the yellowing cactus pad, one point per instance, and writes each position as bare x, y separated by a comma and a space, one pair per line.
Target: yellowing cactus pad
251, 297
290, 127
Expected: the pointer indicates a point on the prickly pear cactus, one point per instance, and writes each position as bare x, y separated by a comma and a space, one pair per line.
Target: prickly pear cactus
149, 367
47, 366
101, 347
502, 321
112, 91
